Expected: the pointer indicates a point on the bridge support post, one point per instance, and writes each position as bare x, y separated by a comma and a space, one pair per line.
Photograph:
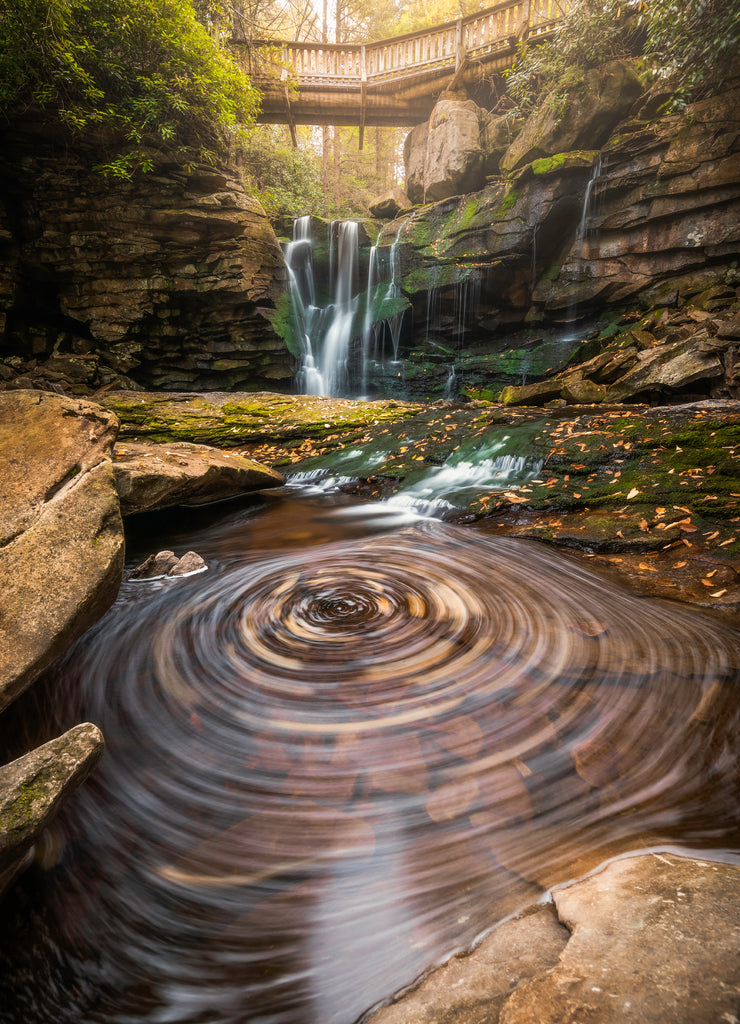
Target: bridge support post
363, 95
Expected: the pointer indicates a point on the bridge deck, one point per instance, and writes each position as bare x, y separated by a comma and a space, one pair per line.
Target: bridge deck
396, 81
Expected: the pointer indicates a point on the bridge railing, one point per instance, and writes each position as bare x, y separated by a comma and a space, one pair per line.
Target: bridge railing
486, 32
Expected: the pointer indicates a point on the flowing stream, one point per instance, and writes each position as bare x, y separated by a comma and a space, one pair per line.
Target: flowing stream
344, 752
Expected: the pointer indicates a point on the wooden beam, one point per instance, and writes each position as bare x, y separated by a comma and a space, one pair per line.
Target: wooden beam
363, 95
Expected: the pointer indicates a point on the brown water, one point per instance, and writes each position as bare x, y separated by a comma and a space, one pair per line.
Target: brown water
351, 746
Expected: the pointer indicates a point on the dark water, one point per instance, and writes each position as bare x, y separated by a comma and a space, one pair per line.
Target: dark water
356, 742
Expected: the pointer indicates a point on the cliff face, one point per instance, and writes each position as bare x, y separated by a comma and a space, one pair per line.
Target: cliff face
170, 280
651, 217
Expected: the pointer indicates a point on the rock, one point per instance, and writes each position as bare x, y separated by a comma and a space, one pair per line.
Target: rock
532, 394
166, 563
232, 419
33, 787
730, 329
390, 204
584, 120
61, 537
583, 392
654, 939
454, 159
667, 368
178, 275
497, 135
471, 989
414, 156
157, 476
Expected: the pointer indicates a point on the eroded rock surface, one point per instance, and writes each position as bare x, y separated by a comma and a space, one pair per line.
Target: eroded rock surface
157, 476
33, 788
473, 988
61, 537
655, 939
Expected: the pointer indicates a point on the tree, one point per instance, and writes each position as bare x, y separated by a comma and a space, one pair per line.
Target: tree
139, 72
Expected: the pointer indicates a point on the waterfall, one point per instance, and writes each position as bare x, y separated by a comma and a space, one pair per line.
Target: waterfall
325, 334
584, 228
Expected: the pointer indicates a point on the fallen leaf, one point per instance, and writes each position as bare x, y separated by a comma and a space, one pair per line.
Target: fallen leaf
679, 565
633, 493
719, 593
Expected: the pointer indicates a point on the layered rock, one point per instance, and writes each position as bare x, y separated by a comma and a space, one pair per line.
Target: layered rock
652, 215
171, 280
61, 537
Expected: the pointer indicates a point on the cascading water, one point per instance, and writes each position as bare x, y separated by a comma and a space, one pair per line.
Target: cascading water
325, 334
584, 226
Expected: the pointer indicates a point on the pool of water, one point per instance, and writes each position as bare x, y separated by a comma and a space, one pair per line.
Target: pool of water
355, 743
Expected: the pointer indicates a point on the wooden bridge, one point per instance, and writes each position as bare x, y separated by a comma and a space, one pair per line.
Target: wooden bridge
396, 81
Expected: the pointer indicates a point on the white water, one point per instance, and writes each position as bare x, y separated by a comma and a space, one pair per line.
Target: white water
325, 334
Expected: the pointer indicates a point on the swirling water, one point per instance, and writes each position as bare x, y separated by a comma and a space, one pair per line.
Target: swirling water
356, 742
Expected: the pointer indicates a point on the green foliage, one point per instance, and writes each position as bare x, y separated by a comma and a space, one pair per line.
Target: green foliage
140, 72
692, 41
592, 32
287, 181
687, 42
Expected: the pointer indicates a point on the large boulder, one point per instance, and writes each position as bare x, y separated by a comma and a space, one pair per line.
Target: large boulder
33, 788
414, 156
582, 121
454, 158
157, 476
497, 134
61, 537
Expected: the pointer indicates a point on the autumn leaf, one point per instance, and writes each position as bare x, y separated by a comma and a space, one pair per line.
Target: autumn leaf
633, 493
719, 593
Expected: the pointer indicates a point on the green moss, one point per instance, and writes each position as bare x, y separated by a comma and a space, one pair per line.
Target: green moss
510, 200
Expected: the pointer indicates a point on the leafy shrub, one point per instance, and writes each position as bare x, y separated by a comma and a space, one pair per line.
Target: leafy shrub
688, 43
138, 71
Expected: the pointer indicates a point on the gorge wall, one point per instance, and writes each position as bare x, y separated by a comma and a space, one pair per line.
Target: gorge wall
525, 252
169, 281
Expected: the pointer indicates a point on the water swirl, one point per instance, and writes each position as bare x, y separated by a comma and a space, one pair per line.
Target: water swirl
330, 765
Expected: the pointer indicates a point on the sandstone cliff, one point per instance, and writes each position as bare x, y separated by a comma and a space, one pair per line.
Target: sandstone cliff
171, 280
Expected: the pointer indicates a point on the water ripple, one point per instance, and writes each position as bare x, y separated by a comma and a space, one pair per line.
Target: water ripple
330, 766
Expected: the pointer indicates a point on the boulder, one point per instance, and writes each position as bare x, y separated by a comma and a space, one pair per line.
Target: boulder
166, 563
654, 939
33, 788
497, 135
414, 156
454, 158
667, 368
150, 477
583, 121
390, 204
61, 537
532, 394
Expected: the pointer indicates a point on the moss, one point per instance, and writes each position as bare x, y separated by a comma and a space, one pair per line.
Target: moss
285, 325
510, 200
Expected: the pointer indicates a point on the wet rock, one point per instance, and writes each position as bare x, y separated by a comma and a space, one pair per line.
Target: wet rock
158, 476
61, 537
231, 419
390, 204
473, 988
166, 563
583, 392
532, 394
654, 939
497, 135
33, 788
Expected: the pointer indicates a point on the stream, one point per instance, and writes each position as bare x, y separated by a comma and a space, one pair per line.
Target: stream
357, 742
